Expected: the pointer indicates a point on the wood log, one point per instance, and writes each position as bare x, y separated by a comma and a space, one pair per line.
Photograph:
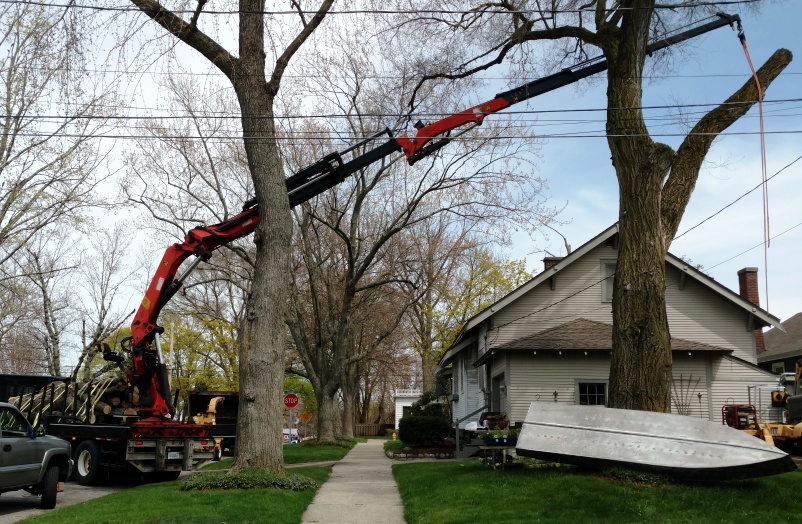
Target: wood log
101, 407
114, 400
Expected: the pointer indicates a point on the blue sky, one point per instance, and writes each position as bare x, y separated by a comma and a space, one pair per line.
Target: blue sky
579, 171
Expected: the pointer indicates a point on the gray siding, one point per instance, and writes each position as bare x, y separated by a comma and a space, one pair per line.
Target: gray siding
466, 386
738, 383
694, 312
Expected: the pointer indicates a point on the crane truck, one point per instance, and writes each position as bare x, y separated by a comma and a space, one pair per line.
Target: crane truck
150, 438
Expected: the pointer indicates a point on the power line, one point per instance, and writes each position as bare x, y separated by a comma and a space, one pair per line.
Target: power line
761, 244
737, 199
128, 8
383, 116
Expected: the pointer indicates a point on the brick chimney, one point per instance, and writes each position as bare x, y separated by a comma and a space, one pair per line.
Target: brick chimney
747, 284
550, 262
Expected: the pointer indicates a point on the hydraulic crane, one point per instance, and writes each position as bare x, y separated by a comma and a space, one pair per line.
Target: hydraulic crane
149, 372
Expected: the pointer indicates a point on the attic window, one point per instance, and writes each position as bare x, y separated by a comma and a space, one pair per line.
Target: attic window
612, 242
607, 277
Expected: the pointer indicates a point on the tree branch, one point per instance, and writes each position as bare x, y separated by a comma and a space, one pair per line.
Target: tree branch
189, 34
691, 153
284, 59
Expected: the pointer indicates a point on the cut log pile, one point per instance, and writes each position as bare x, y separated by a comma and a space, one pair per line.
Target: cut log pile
85, 401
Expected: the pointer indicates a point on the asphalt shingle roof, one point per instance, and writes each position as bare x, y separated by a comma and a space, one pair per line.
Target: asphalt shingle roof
588, 335
779, 344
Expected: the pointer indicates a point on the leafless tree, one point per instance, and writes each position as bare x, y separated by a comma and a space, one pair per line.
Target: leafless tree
257, 37
655, 181
352, 265
49, 157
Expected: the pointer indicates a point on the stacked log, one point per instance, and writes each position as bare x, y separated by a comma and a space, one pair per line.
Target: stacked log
85, 401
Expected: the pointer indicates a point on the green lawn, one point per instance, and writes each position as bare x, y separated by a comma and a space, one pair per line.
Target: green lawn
165, 504
467, 491
298, 454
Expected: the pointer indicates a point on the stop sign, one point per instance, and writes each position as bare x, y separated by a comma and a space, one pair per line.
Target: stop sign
290, 400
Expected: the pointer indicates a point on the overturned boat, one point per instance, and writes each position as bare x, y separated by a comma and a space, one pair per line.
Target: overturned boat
679, 446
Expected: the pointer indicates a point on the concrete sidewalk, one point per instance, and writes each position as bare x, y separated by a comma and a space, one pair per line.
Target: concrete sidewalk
361, 488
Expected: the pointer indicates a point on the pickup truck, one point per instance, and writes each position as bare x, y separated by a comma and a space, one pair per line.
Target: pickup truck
29, 459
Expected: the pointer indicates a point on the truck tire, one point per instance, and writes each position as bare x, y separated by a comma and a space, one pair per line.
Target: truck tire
87, 463
49, 488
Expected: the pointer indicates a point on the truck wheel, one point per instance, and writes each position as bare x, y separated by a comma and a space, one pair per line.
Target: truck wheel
49, 488
87, 463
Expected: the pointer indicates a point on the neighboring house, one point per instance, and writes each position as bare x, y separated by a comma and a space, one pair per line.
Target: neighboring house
783, 349
550, 340
404, 398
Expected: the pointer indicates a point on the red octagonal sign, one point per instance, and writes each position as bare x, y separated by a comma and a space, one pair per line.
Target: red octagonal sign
290, 400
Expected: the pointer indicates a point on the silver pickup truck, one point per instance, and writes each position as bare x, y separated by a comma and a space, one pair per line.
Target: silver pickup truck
29, 459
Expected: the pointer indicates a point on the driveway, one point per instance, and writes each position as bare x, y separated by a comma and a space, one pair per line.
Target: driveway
18, 505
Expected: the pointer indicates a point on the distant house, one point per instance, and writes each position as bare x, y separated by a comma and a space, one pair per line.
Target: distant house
783, 349
550, 340
404, 398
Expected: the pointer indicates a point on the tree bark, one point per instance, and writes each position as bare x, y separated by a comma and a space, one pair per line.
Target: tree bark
259, 428
649, 213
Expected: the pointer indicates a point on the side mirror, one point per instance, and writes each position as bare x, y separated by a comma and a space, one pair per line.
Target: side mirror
40, 431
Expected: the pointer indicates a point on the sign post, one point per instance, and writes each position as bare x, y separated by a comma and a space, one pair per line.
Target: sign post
291, 401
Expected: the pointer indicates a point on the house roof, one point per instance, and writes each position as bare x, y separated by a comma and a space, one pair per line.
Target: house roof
762, 318
781, 345
583, 335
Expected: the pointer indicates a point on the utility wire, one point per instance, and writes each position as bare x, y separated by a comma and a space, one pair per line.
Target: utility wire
760, 185
128, 8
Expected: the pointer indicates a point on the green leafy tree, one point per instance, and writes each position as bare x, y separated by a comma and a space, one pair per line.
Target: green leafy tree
476, 279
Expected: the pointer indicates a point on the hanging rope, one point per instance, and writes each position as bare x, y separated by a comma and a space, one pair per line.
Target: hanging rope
766, 230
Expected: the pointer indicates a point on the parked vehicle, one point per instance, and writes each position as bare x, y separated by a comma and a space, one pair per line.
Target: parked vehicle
29, 459
218, 408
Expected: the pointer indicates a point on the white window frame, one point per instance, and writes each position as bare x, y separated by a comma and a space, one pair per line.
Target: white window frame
607, 268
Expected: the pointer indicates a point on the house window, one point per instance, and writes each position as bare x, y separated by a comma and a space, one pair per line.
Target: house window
592, 393
406, 411
607, 275
778, 368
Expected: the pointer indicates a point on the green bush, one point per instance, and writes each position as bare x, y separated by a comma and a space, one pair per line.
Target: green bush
342, 442
423, 431
427, 406
251, 478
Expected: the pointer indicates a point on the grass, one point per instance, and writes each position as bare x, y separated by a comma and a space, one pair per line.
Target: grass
466, 491
300, 454
393, 445
166, 504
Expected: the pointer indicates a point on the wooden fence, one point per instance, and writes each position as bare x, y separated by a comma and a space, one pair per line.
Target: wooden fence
369, 430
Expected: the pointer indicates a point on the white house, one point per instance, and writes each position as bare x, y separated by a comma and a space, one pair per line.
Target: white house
550, 339
404, 398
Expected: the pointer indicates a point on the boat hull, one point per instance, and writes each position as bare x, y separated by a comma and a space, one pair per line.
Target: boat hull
683, 447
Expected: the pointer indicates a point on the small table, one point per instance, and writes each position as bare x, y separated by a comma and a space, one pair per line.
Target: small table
492, 454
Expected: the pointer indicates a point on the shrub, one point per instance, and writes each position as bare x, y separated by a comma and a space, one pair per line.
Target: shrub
251, 478
423, 431
426, 406
342, 442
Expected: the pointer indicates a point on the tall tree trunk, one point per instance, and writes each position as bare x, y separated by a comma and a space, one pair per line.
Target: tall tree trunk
259, 440
640, 367
325, 416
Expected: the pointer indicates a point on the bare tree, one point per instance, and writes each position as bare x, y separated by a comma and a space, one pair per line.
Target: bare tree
352, 273
261, 365
655, 182
49, 157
